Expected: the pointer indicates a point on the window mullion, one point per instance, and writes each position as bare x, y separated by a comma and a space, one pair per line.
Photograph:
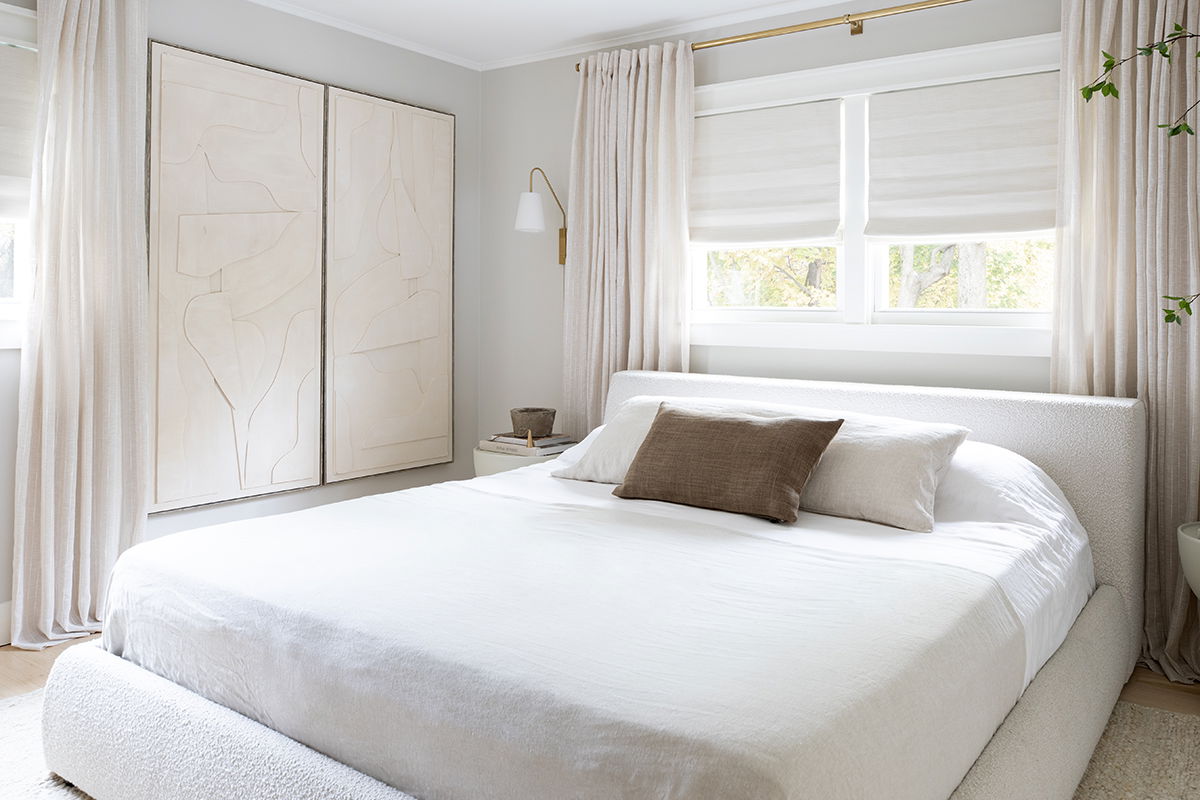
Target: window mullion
855, 278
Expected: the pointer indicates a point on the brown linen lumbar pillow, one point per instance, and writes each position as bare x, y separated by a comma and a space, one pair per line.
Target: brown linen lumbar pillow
726, 461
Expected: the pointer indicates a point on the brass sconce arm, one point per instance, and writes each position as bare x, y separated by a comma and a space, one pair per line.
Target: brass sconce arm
562, 232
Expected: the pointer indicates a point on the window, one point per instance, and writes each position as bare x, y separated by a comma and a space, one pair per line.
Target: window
771, 277
14, 260
18, 112
910, 191
991, 275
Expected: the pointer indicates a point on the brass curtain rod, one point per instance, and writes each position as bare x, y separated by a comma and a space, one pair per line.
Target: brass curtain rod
855, 21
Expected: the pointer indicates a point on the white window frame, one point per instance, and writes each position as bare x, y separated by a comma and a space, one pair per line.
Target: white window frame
18, 26
860, 323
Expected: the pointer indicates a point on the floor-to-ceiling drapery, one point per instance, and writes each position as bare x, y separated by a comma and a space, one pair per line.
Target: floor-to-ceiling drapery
82, 461
626, 273
1129, 221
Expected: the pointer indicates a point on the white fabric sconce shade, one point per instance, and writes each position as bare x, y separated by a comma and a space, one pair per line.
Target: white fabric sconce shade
531, 217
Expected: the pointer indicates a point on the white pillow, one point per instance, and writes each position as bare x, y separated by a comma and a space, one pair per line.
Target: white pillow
576, 452
881, 469
611, 447
987, 483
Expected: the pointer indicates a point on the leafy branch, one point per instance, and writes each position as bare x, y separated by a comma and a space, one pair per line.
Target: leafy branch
1183, 306
1104, 86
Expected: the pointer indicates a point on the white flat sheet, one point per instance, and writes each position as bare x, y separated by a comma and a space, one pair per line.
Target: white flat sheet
520, 636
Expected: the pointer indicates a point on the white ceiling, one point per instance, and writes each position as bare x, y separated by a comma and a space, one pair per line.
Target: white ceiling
485, 34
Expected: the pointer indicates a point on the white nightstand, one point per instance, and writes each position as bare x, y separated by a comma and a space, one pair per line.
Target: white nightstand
489, 463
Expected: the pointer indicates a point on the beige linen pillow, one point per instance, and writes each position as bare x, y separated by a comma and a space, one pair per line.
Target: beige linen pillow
883, 469
742, 463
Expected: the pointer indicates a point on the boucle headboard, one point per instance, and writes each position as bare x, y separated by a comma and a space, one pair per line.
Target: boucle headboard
1093, 447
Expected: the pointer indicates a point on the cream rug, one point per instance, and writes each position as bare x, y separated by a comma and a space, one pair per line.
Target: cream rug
1145, 754
22, 769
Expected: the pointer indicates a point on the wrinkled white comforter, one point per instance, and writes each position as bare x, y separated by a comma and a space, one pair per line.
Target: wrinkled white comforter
526, 637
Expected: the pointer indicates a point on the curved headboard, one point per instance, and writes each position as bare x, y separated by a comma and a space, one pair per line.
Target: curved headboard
1093, 447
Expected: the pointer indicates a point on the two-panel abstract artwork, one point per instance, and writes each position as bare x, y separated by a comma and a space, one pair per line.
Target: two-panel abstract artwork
301, 281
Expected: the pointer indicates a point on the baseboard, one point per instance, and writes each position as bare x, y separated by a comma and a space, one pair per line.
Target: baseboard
5, 623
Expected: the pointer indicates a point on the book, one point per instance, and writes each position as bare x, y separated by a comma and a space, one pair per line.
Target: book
522, 450
538, 441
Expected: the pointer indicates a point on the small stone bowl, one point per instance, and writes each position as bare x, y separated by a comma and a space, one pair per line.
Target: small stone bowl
539, 421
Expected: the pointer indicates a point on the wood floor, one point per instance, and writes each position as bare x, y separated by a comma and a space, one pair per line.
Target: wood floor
23, 671
1148, 688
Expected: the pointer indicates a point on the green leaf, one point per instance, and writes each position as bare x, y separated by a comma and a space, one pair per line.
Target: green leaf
1087, 93
1164, 50
1179, 28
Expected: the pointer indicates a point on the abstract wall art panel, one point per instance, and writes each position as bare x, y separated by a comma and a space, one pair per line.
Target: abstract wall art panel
236, 202
389, 283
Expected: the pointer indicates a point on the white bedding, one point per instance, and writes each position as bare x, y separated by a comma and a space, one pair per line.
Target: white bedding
521, 636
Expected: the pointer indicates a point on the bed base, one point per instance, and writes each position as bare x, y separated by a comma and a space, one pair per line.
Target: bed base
119, 732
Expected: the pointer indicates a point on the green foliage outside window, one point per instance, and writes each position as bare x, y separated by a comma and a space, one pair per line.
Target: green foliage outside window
773, 277
1002, 275
1005, 275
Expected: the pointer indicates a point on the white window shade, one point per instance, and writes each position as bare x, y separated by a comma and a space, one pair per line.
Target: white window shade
767, 175
966, 158
18, 117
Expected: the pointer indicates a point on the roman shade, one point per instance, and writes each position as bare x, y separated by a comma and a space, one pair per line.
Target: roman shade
18, 118
767, 175
966, 158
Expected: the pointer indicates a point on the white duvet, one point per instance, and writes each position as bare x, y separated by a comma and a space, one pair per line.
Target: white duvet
527, 637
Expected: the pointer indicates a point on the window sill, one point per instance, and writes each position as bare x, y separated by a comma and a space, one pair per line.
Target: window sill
974, 340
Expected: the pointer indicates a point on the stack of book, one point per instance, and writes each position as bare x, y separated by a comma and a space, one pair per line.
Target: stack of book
514, 445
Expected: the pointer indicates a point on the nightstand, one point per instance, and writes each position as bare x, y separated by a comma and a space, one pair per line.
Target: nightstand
489, 463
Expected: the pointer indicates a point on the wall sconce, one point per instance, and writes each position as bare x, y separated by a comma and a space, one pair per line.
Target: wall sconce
531, 218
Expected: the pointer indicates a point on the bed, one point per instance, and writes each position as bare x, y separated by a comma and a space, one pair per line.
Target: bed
594, 647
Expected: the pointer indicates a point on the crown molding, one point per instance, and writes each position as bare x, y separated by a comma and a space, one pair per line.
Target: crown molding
360, 30
629, 37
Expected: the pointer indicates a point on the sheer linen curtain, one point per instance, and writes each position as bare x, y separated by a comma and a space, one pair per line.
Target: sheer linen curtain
1127, 236
83, 435
627, 256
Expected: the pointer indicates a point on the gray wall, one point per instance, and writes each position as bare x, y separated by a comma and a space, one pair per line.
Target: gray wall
256, 35
529, 112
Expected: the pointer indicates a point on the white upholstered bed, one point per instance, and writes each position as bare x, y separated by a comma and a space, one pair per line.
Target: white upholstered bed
495, 690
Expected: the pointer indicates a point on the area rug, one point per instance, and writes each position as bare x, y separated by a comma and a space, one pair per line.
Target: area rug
1145, 754
23, 771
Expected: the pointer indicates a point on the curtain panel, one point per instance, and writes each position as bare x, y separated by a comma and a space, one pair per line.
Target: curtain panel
627, 254
83, 432
1128, 207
